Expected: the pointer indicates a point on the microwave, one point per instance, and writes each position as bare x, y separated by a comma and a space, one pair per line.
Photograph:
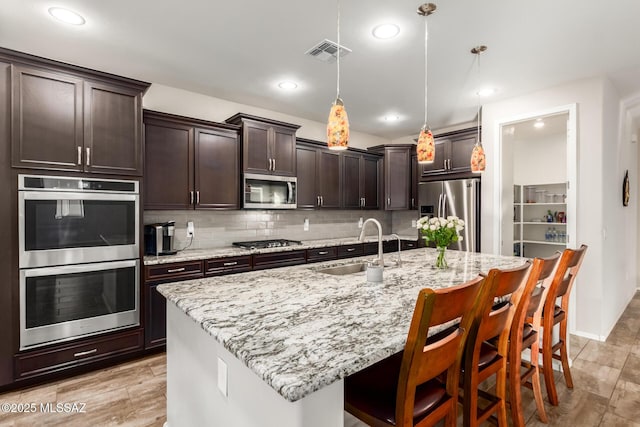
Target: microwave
269, 192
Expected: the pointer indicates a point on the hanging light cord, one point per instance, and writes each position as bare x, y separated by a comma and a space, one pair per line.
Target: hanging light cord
478, 142
426, 44
338, 55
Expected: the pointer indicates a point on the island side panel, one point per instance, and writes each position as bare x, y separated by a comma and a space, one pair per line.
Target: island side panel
193, 397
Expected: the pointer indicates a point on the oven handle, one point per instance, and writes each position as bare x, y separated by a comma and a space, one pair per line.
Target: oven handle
289, 192
54, 195
78, 268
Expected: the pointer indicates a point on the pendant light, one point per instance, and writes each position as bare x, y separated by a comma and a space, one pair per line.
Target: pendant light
338, 123
426, 149
478, 158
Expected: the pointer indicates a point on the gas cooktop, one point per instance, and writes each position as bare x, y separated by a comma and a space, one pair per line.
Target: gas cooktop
262, 244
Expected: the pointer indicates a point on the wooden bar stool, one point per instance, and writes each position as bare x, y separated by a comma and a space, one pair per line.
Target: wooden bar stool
554, 314
524, 335
483, 359
419, 386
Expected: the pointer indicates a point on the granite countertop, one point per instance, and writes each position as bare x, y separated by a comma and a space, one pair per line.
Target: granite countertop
300, 330
197, 254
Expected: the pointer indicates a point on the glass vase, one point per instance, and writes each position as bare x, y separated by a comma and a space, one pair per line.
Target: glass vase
441, 261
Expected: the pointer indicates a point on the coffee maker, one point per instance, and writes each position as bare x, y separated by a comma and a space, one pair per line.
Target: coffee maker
158, 238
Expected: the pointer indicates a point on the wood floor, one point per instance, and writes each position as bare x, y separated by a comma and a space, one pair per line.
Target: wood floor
606, 376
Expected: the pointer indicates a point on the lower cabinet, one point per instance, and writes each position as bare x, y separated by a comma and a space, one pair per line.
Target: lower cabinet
155, 329
82, 352
279, 259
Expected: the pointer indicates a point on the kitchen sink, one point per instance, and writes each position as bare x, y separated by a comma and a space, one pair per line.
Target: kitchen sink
341, 270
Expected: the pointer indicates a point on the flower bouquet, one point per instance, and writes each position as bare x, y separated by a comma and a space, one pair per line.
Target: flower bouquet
441, 231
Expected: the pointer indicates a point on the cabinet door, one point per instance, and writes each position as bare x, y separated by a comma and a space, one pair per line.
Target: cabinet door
329, 179
461, 153
370, 176
168, 182
351, 181
439, 164
46, 120
307, 175
112, 133
217, 172
155, 328
413, 201
283, 151
397, 176
255, 140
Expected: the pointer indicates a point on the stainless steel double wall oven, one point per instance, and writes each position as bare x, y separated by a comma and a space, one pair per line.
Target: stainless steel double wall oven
79, 257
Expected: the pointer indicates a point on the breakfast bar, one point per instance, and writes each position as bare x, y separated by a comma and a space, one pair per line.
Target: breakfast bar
271, 348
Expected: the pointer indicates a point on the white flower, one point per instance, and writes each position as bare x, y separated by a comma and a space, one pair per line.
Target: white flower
433, 220
425, 226
433, 228
460, 239
450, 225
459, 228
461, 222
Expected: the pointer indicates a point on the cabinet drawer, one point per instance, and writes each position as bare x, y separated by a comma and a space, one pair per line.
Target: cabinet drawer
409, 244
219, 266
322, 254
40, 362
370, 248
173, 272
348, 251
278, 259
390, 246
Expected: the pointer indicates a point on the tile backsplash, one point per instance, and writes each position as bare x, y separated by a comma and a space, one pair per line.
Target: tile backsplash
220, 228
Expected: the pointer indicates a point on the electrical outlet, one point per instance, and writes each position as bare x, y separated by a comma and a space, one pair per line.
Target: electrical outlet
222, 377
360, 223
305, 225
414, 224
191, 230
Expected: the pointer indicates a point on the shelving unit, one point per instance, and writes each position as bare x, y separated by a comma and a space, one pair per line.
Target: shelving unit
533, 234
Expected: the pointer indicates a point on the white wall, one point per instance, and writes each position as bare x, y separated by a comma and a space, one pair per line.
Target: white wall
588, 94
178, 101
541, 160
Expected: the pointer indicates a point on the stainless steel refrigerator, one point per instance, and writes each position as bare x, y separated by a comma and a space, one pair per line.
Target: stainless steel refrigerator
459, 197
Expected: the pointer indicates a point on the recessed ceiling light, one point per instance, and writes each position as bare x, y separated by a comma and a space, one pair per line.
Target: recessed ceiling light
67, 16
391, 118
287, 85
486, 91
538, 124
385, 31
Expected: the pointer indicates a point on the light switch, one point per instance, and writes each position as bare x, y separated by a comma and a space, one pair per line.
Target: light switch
190, 229
414, 224
305, 225
222, 376
360, 223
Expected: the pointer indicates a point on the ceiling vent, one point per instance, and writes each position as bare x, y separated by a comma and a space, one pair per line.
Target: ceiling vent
326, 50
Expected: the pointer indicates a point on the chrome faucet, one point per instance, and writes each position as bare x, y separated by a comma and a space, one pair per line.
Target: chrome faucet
398, 261
379, 260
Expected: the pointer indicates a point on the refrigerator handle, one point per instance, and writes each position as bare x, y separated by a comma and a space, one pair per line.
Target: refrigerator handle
444, 206
439, 204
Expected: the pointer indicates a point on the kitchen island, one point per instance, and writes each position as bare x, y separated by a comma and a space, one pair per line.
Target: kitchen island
271, 348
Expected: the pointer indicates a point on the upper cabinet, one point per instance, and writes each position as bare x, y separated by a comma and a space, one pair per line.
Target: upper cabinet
336, 179
396, 175
190, 163
268, 146
453, 154
69, 118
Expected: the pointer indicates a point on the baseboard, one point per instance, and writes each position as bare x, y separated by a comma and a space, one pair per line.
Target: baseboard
589, 336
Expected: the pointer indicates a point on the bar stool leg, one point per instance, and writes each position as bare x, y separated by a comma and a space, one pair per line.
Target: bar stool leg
547, 364
564, 357
535, 384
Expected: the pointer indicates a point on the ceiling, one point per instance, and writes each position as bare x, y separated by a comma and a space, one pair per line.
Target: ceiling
525, 130
240, 50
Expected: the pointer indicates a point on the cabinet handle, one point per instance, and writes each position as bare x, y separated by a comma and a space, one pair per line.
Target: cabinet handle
85, 353
198, 197
321, 200
410, 245
229, 264
88, 156
274, 164
323, 252
270, 167
176, 270
190, 197
351, 249
79, 155
388, 201
413, 203
318, 201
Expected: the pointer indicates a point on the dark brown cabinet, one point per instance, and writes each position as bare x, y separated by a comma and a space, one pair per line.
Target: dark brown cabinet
220, 266
453, 154
279, 259
190, 163
268, 146
396, 175
65, 121
319, 179
360, 181
415, 177
322, 254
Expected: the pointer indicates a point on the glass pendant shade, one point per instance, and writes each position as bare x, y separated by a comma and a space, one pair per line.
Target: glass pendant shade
338, 127
426, 149
478, 159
